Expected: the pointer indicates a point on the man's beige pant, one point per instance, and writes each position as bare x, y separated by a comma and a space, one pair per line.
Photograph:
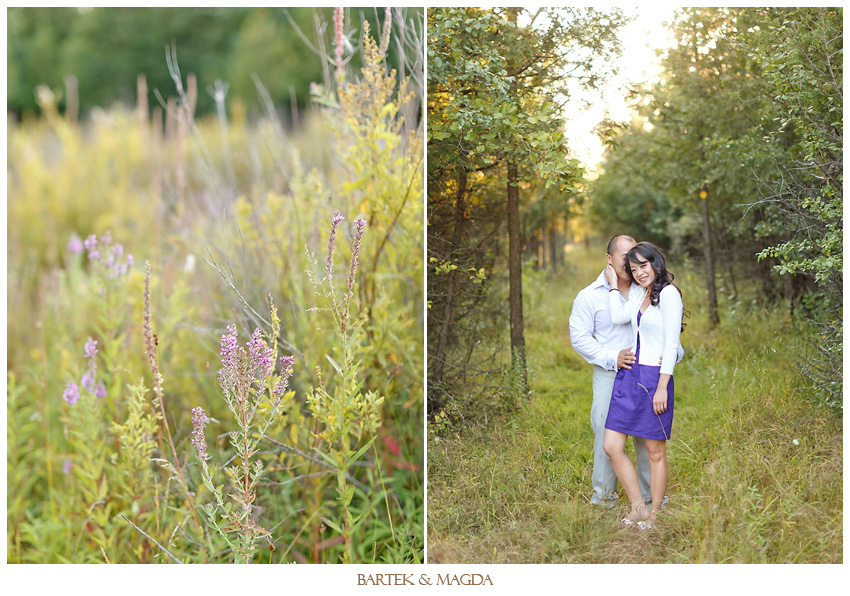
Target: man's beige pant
604, 479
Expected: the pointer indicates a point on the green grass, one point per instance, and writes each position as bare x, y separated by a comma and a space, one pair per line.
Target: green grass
755, 466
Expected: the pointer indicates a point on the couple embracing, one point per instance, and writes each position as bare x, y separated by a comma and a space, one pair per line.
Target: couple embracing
627, 325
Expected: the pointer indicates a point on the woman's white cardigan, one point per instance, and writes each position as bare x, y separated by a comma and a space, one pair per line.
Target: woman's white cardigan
660, 325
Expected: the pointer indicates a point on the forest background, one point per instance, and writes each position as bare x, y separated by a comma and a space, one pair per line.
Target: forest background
732, 163
215, 297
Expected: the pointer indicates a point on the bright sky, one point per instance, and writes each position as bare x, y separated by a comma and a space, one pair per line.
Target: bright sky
638, 64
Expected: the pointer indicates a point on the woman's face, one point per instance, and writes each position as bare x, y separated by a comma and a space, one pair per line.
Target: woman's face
643, 273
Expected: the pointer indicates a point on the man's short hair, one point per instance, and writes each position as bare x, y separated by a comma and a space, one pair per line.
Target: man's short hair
612, 244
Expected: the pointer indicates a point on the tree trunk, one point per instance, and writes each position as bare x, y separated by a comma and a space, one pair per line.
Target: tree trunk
435, 402
713, 317
515, 275
553, 245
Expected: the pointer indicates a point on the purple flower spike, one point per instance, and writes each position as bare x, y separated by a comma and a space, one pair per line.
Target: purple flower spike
228, 344
90, 244
287, 363
227, 374
337, 218
88, 381
261, 355
100, 390
359, 228
71, 394
199, 419
66, 466
91, 348
75, 245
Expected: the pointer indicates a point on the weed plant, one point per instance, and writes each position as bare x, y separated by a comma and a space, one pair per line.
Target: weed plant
332, 453
755, 462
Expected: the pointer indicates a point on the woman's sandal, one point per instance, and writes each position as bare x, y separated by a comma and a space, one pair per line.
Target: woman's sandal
634, 518
646, 524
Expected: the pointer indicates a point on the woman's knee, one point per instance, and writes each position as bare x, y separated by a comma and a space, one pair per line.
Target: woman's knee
656, 451
612, 446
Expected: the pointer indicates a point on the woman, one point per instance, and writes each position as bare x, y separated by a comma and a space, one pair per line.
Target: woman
642, 400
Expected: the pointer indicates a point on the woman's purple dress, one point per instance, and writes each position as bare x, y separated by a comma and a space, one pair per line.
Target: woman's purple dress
631, 402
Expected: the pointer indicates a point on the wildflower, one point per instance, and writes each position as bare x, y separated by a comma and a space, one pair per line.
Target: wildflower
331, 240
338, 39
226, 374
109, 258
66, 466
286, 365
796, 442
72, 393
75, 245
88, 381
147, 329
199, 419
228, 345
261, 355
90, 245
359, 227
100, 390
91, 348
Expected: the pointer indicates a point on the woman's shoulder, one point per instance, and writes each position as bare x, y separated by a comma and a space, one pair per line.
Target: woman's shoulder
670, 294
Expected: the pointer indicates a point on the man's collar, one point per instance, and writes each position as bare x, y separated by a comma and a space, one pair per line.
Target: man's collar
603, 281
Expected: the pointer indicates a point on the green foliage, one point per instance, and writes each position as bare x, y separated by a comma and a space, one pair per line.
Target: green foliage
749, 110
114, 479
498, 80
106, 48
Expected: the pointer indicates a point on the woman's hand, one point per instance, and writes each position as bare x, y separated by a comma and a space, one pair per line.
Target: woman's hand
659, 402
611, 276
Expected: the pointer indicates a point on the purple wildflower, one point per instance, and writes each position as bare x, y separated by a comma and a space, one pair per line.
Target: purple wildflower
88, 380
337, 218
72, 393
359, 228
90, 244
228, 344
66, 466
261, 355
75, 245
91, 348
110, 257
199, 419
338, 39
286, 365
100, 390
228, 373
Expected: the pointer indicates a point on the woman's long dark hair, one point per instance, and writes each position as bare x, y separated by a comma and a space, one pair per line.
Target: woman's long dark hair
647, 251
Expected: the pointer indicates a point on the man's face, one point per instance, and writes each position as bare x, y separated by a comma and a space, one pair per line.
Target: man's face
618, 259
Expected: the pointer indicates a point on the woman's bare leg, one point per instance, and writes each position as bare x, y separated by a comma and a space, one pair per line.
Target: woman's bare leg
615, 447
657, 452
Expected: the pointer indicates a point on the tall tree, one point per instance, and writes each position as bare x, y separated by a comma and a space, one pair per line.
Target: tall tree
497, 87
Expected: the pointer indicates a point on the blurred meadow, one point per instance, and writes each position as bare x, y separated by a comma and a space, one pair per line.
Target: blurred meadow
138, 430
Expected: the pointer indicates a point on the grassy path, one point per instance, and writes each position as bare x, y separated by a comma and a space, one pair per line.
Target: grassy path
755, 467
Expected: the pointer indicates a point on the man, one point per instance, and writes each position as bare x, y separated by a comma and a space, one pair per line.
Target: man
606, 346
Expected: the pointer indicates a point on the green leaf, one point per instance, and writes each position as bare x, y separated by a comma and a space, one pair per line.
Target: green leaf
360, 452
335, 365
